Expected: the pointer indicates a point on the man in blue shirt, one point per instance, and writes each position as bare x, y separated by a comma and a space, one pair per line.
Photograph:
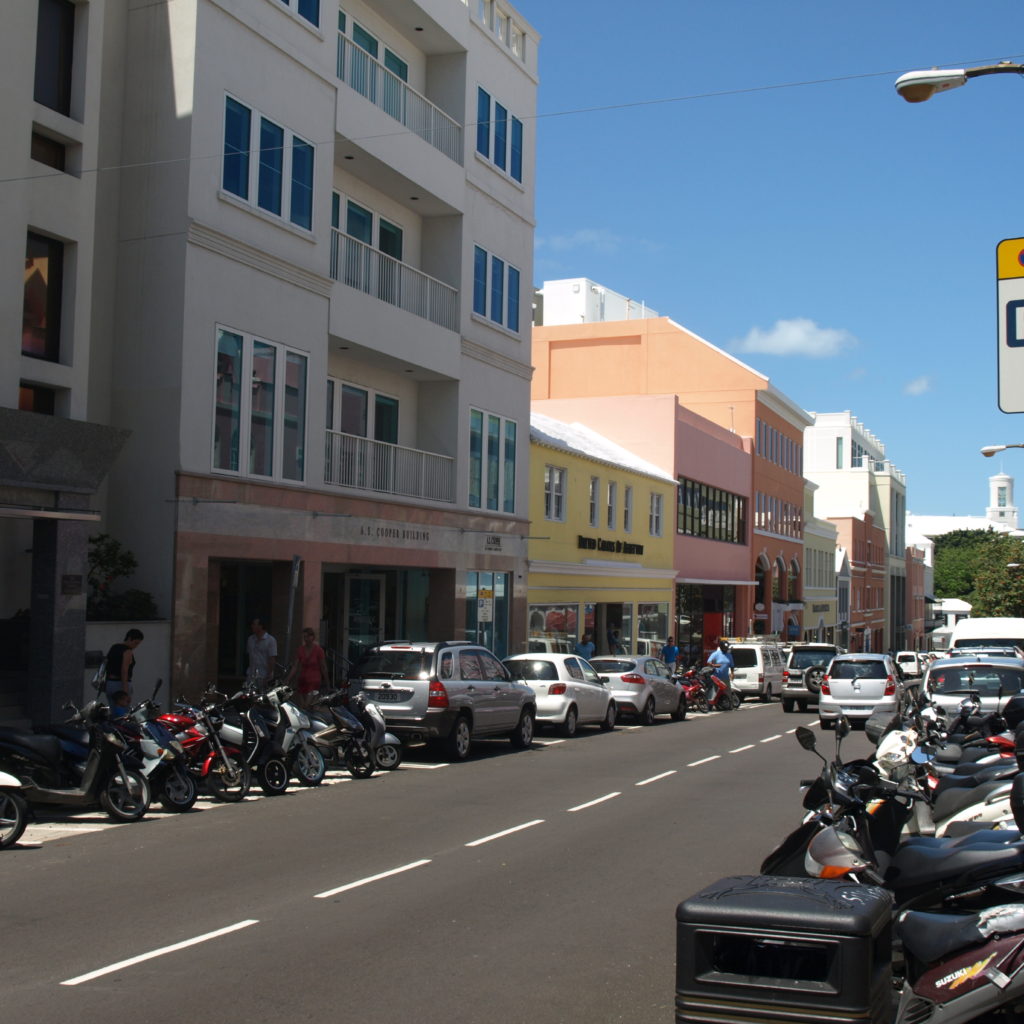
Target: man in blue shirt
722, 664
670, 653
585, 648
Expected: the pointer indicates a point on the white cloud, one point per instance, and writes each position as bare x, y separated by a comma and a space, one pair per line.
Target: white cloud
917, 386
799, 337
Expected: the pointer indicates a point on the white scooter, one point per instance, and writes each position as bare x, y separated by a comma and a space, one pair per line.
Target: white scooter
13, 810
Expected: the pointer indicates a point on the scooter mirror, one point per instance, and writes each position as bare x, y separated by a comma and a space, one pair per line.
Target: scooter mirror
805, 737
842, 727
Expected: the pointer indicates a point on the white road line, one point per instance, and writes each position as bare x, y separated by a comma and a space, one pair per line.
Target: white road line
507, 832
120, 966
655, 778
739, 750
372, 878
768, 739
593, 803
547, 743
694, 764
424, 767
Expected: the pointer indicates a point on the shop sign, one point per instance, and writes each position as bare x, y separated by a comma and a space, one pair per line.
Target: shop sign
614, 547
821, 607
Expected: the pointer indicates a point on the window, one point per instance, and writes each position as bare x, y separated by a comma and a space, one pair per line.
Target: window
308, 9
496, 128
713, 513
355, 410
32, 398
502, 26
627, 509
839, 453
266, 419
554, 493
281, 157
495, 289
492, 461
655, 519
595, 501
43, 297
48, 151
613, 501
55, 46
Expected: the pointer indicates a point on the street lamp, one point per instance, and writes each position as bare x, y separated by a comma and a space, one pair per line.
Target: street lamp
918, 86
993, 449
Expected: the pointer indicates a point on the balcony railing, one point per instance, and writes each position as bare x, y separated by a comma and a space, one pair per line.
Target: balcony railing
353, 461
386, 90
361, 266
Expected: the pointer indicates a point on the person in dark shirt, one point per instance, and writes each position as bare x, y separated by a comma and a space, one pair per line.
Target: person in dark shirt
121, 663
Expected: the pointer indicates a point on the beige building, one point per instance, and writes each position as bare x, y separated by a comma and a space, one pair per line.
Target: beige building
300, 281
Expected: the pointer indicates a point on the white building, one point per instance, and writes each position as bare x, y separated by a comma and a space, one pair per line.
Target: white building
578, 300
301, 281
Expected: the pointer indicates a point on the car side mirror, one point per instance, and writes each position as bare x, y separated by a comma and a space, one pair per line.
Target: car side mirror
603, 679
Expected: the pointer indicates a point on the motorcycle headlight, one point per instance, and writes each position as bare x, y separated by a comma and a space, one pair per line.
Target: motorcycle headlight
833, 853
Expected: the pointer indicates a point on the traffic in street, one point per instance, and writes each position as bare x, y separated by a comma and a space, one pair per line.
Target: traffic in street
536, 885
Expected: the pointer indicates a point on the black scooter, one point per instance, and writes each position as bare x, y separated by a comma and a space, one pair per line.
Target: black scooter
48, 777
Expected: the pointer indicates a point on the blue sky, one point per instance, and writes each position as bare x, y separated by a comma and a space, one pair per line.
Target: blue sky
788, 206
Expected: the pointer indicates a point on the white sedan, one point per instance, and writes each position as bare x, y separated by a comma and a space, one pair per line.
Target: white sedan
642, 686
569, 692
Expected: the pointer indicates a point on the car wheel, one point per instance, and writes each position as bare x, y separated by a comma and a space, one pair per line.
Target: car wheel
610, 717
459, 740
787, 705
802, 705
647, 715
766, 694
522, 735
680, 712
568, 727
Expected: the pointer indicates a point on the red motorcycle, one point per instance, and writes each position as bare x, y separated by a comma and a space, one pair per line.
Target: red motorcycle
220, 767
694, 688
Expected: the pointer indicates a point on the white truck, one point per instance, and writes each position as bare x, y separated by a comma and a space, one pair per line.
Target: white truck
983, 632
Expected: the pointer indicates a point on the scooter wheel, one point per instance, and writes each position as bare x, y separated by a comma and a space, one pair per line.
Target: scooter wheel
388, 756
125, 802
360, 763
308, 765
229, 780
13, 818
179, 791
273, 777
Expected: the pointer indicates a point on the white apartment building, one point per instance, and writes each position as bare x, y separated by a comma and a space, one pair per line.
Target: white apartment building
578, 300
853, 474
301, 281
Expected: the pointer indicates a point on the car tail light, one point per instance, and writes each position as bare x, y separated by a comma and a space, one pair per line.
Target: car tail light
556, 689
438, 696
890, 686
760, 677
825, 688
785, 673
633, 679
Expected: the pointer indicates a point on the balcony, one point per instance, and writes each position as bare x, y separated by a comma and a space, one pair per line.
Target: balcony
371, 271
369, 465
386, 90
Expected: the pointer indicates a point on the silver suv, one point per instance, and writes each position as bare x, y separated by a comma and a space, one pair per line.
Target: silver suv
806, 665
447, 692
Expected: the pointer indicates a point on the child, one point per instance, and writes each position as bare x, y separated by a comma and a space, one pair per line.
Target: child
120, 704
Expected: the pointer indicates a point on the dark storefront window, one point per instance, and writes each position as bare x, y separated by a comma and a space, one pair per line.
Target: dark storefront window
703, 614
487, 610
710, 512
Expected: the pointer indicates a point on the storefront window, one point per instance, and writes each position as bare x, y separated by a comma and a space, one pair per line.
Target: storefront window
487, 610
652, 625
552, 628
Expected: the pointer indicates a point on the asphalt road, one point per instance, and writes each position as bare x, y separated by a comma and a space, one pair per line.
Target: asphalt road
536, 886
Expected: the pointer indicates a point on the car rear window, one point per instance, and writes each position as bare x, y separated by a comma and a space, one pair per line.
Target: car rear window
858, 670
393, 665
613, 665
988, 681
744, 657
540, 669
808, 659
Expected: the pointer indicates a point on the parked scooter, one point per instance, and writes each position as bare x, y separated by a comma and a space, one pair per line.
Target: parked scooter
694, 689
354, 734
48, 778
244, 726
293, 733
13, 811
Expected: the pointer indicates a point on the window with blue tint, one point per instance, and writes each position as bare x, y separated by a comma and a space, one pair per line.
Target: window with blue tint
364, 40
359, 223
310, 10
237, 127
483, 122
497, 289
271, 165
335, 210
479, 281
516, 156
493, 461
500, 134
512, 323
509, 503
476, 457
302, 184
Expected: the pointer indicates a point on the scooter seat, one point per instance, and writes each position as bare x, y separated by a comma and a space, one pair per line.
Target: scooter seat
915, 866
71, 733
929, 937
985, 773
954, 800
46, 748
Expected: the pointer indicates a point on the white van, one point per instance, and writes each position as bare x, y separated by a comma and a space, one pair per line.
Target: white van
982, 632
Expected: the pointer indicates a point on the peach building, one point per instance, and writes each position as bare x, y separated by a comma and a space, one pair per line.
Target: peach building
735, 447
866, 546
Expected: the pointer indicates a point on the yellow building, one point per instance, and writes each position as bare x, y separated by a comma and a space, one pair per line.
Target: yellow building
601, 543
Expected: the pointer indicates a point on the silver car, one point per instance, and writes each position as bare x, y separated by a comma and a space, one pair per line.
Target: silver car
642, 687
569, 691
995, 680
858, 685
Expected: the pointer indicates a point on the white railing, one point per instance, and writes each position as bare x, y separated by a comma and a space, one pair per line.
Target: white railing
353, 461
361, 266
386, 90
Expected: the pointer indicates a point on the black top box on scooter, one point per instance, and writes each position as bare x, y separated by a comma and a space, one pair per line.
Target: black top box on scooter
764, 948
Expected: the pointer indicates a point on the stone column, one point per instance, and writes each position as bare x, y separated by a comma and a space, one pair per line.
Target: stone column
57, 665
